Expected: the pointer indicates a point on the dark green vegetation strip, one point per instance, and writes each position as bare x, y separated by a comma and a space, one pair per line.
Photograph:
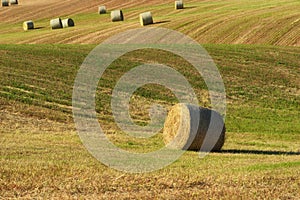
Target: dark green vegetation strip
273, 166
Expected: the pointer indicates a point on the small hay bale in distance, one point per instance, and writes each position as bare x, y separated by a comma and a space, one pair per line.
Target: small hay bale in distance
28, 25
67, 23
179, 5
116, 15
4, 3
186, 127
146, 18
56, 23
102, 10
13, 2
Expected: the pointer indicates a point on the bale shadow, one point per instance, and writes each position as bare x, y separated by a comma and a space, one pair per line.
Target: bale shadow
39, 27
189, 7
238, 151
162, 22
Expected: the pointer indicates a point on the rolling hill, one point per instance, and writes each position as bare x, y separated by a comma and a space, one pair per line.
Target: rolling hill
42, 156
255, 46
230, 22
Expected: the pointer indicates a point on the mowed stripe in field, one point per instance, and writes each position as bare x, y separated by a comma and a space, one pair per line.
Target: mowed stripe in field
267, 24
231, 22
42, 9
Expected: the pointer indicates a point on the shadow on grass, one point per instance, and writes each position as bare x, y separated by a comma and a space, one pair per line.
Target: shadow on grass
236, 151
162, 22
189, 7
39, 27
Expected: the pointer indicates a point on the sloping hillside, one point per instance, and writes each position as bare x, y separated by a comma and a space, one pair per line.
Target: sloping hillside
35, 9
41, 156
234, 22
262, 83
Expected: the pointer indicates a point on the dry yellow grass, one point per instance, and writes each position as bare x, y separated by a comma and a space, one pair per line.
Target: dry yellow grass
41, 155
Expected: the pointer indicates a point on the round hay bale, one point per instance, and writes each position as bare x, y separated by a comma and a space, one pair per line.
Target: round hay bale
28, 25
13, 2
5, 3
178, 5
56, 23
102, 10
67, 23
186, 126
117, 15
146, 18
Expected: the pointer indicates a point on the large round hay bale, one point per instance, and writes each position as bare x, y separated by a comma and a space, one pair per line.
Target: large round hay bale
56, 23
146, 18
5, 3
28, 25
13, 2
178, 5
102, 10
67, 23
117, 15
186, 126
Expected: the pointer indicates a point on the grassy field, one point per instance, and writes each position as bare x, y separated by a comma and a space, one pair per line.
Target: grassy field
255, 46
273, 22
42, 156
